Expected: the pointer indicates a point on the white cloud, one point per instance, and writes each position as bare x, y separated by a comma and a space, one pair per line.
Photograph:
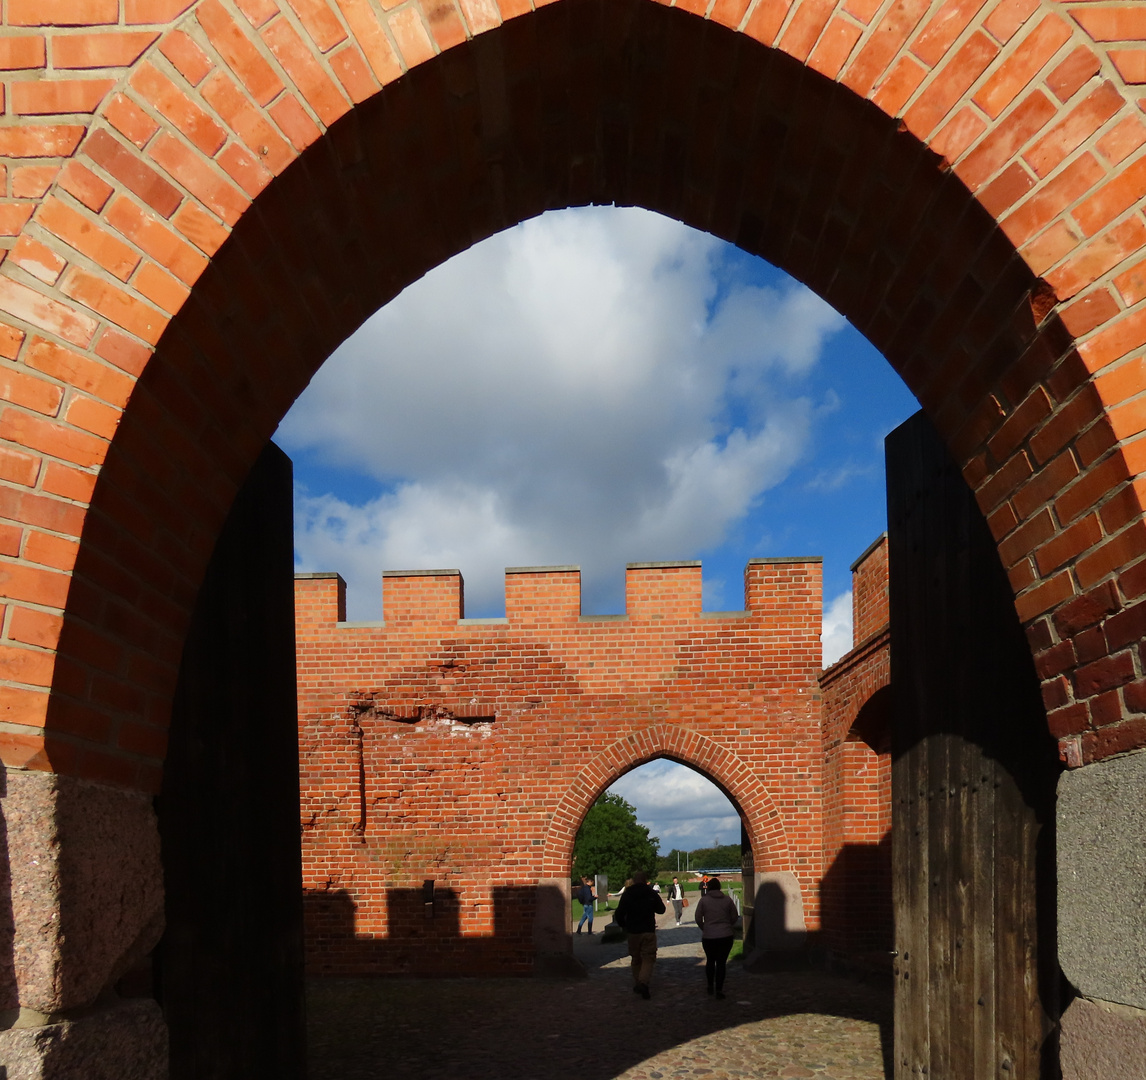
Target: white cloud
418, 527
836, 637
828, 480
681, 807
576, 389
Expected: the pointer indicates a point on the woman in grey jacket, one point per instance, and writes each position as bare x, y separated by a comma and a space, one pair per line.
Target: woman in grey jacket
716, 916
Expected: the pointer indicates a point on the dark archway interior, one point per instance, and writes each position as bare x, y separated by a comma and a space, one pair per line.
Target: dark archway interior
621, 102
873, 723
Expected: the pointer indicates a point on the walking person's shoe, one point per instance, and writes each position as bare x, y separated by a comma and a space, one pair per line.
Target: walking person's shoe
711, 988
643, 990
719, 995
579, 930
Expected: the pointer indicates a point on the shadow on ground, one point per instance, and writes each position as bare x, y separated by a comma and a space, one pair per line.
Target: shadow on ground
793, 1024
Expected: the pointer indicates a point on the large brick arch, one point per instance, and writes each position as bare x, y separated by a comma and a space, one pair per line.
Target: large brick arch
717, 763
206, 197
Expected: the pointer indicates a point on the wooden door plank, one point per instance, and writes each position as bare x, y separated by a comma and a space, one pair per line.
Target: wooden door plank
983, 932
939, 951
972, 786
909, 855
964, 910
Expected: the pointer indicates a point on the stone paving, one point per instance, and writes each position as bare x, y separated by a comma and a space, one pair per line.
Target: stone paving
805, 1024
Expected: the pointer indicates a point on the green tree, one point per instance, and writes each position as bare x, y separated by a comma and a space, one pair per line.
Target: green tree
611, 841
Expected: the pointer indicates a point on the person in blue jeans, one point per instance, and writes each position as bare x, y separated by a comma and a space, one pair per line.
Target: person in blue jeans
587, 897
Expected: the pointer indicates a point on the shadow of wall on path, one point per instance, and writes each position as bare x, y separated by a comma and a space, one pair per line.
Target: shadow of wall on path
333, 943
856, 901
594, 1028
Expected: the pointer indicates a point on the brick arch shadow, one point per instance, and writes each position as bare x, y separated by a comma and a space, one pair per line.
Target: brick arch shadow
717, 763
247, 193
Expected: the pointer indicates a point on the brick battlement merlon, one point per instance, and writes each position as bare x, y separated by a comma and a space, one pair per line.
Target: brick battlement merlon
879, 541
782, 559
785, 589
869, 591
408, 573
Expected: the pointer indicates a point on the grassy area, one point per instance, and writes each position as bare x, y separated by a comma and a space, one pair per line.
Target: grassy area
690, 889
732, 882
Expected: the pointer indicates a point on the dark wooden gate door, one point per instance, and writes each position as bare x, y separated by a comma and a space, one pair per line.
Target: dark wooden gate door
231, 970
973, 779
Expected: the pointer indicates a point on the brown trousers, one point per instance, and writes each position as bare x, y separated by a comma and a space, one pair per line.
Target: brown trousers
643, 954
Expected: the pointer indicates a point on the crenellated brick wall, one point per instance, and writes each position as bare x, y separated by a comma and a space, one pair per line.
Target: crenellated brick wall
467, 751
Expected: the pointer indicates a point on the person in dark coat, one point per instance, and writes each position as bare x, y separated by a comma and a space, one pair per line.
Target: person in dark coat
716, 916
637, 915
587, 897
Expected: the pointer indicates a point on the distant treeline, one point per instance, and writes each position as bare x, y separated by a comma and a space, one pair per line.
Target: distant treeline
700, 858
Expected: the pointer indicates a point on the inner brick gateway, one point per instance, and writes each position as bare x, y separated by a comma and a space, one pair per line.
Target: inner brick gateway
467, 752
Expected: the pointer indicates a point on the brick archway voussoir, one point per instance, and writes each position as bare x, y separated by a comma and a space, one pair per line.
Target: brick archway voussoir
716, 762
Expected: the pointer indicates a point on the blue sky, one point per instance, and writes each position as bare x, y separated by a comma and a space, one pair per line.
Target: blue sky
682, 808
596, 386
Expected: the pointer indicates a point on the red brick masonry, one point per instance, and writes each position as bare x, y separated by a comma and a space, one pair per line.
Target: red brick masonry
856, 895
468, 751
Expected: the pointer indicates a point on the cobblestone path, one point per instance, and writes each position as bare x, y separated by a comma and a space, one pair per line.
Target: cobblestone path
804, 1024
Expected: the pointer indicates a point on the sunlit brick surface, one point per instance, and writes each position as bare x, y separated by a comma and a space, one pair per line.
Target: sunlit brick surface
207, 196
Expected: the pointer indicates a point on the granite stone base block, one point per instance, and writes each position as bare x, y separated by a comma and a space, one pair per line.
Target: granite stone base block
1100, 1040
84, 896
125, 1041
1101, 867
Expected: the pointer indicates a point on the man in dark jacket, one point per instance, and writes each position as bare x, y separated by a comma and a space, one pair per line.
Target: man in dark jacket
637, 915
587, 897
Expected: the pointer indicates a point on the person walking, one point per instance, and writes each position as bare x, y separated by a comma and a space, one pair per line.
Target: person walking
637, 915
716, 916
676, 895
588, 898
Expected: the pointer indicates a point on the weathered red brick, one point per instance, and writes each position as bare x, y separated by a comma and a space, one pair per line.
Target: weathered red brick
44, 97
79, 232
118, 49
185, 114
239, 52
44, 312
190, 61
136, 175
